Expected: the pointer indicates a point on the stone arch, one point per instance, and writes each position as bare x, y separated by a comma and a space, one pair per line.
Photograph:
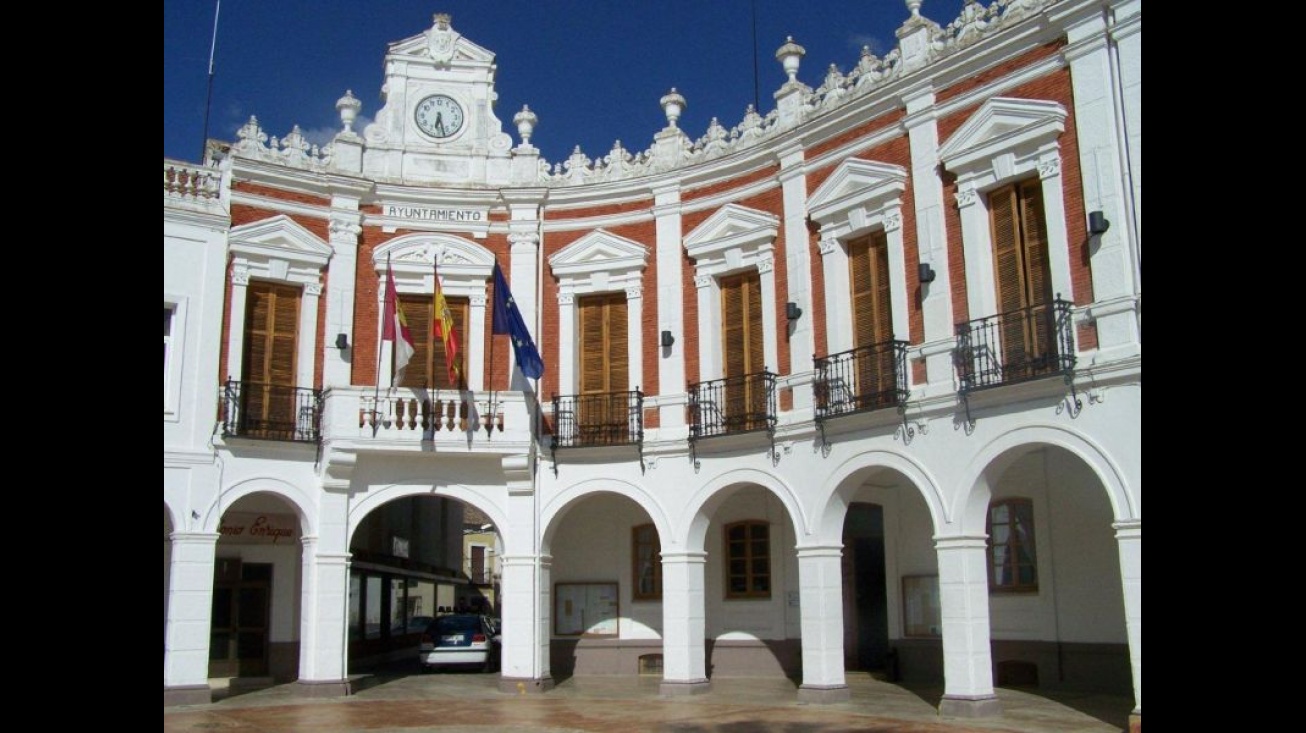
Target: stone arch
552, 513
299, 499
704, 503
382, 495
840, 487
970, 509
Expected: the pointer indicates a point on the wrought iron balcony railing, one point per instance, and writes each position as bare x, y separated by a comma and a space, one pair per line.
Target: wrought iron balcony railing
1013, 347
732, 405
270, 412
865, 378
609, 418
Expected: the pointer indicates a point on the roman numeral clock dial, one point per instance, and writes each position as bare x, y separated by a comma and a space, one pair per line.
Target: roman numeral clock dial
439, 116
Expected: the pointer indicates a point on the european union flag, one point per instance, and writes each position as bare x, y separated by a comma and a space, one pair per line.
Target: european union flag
507, 319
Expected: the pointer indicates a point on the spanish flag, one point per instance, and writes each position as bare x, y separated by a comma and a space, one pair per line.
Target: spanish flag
444, 330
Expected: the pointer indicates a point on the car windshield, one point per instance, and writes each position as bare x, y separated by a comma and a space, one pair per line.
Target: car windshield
457, 624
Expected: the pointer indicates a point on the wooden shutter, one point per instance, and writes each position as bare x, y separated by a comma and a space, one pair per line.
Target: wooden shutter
742, 349
271, 328
417, 311
872, 318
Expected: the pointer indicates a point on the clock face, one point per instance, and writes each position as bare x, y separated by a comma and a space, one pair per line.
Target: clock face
439, 116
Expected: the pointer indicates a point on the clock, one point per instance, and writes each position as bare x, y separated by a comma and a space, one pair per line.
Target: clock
439, 116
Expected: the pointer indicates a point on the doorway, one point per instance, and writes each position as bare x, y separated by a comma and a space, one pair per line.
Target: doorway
238, 633
865, 599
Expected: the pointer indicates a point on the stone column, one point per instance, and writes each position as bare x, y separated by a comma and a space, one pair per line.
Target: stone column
187, 627
323, 667
964, 600
684, 624
1129, 539
820, 587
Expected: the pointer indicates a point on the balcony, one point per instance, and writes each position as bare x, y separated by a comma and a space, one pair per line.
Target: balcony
270, 412
732, 405
1014, 347
493, 422
866, 378
611, 418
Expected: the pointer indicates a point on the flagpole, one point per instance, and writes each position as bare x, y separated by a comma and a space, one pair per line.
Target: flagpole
208, 102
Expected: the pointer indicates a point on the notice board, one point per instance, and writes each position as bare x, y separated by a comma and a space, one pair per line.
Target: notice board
585, 609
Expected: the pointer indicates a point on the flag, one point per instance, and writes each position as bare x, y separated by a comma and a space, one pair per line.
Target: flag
444, 331
507, 319
394, 327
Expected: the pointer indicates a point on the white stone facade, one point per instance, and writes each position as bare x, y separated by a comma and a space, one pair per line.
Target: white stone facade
877, 546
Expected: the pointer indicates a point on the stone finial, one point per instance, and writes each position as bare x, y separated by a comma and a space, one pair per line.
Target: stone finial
525, 121
673, 104
348, 107
790, 55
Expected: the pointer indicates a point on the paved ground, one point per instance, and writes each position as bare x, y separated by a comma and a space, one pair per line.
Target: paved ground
454, 702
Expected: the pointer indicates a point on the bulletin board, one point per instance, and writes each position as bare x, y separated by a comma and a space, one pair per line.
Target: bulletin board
585, 609
921, 611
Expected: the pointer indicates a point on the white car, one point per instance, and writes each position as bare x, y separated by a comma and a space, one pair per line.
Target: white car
467, 639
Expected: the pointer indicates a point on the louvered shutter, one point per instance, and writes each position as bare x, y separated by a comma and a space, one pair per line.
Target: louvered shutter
417, 311
1009, 271
1039, 331
271, 328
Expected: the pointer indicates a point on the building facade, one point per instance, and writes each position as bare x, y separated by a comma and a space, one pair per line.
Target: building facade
852, 385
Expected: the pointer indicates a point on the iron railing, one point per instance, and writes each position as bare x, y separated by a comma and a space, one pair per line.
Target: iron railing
270, 412
1017, 346
609, 418
732, 405
857, 380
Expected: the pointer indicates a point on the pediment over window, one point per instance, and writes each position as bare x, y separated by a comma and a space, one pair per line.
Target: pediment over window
599, 251
279, 238
464, 265
854, 185
1004, 125
732, 227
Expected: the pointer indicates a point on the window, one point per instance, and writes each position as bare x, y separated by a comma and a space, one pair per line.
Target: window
748, 560
428, 368
1021, 271
868, 261
742, 346
1012, 562
268, 389
648, 562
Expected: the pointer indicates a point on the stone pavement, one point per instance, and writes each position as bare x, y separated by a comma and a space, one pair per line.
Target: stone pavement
456, 702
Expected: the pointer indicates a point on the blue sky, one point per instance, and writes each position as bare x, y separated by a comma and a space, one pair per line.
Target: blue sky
592, 71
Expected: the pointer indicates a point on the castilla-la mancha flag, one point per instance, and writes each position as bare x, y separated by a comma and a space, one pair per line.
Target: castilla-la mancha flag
394, 327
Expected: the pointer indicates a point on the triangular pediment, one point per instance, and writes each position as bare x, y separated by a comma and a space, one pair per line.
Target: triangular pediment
599, 250
282, 237
732, 226
853, 184
1004, 124
463, 49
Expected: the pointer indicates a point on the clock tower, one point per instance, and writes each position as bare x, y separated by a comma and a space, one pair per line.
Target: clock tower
437, 124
